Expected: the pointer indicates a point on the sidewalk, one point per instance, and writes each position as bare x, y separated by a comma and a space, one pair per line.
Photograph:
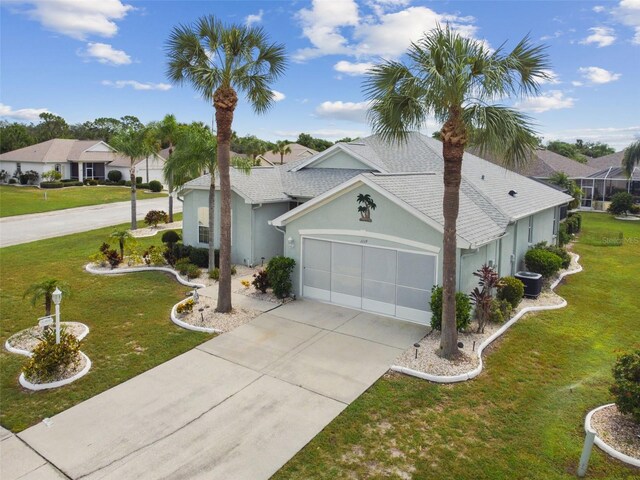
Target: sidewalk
19, 461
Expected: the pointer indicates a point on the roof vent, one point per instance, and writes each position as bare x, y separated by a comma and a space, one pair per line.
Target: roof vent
482, 177
513, 193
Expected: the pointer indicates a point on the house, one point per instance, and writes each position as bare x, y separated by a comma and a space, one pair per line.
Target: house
298, 152
364, 222
78, 160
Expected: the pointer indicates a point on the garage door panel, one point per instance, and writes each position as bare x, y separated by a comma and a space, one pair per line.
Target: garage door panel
346, 259
383, 292
346, 284
379, 265
317, 279
415, 270
317, 254
412, 298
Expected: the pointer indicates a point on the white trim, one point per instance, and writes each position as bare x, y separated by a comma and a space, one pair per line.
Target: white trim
365, 233
188, 326
92, 269
27, 353
331, 151
462, 377
45, 386
604, 446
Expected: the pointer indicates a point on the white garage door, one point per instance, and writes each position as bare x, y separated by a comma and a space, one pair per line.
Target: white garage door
380, 280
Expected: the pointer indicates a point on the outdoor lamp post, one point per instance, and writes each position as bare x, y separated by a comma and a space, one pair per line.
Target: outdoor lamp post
56, 296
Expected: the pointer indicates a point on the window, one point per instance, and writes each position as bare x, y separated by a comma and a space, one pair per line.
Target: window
58, 168
530, 230
19, 167
555, 221
203, 225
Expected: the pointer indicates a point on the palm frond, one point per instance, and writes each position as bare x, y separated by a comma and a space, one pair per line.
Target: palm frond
631, 158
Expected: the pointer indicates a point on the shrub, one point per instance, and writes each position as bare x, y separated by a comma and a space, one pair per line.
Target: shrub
153, 256
261, 281
182, 265
245, 283
138, 180
134, 255
4, 176
12, 181
199, 257
564, 236
559, 251
170, 237
91, 181
50, 360
52, 175
573, 223
279, 274
463, 309
51, 185
499, 311
29, 177
72, 183
154, 217
110, 256
193, 271
185, 307
115, 176
621, 203
155, 186
142, 186
122, 183
482, 297
626, 387
543, 262
510, 289
214, 274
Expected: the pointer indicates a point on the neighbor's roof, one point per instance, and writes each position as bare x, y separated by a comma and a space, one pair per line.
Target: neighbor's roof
611, 160
122, 161
298, 152
58, 150
616, 173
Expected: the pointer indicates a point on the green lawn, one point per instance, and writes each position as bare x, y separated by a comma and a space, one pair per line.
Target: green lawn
523, 416
23, 200
128, 316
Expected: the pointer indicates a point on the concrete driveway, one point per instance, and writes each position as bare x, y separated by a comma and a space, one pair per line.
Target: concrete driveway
38, 226
237, 407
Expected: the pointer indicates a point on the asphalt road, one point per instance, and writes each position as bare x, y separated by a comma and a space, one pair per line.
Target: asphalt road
38, 226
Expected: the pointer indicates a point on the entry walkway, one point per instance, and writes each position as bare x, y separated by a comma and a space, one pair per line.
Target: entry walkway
237, 407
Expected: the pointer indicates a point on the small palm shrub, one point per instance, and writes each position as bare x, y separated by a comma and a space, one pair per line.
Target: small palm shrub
185, 307
49, 360
261, 281
155, 186
193, 271
463, 309
511, 290
626, 387
279, 273
154, 217
543, 262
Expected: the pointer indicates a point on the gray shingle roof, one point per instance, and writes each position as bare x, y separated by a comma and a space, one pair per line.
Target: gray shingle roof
611, 160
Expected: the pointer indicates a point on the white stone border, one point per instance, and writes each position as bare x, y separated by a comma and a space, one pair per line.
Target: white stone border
462, 377
45, 386
608, 449
116, 271
188, 326
27, 353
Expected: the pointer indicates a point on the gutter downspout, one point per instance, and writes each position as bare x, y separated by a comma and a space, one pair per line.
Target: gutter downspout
462, 255
253, 229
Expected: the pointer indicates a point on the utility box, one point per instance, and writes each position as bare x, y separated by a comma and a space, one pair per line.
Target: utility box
532, 283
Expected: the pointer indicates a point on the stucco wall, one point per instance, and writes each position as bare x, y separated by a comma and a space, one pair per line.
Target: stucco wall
37, 166
267, 241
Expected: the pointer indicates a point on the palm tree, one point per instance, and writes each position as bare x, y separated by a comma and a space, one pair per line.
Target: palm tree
43, 290
167, 132
195, 153
137, 144
123, 237
455, 79
631, 157
281, 147
219, 60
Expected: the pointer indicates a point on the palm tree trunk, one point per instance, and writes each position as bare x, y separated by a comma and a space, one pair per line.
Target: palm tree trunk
225, 100
452, 149
134, 222
47, 304
212, 216
170, 185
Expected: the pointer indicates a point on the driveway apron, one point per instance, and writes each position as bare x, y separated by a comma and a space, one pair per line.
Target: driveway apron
237, 407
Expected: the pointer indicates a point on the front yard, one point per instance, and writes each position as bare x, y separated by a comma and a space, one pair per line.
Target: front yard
523, 416
128, 316
24, 200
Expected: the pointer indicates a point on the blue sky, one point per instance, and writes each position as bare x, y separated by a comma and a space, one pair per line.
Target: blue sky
105, 58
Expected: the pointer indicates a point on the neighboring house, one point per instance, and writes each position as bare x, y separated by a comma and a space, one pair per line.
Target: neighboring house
298, 152
364, 222
78, 160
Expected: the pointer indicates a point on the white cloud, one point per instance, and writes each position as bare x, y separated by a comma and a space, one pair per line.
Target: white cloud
254, 18
598, 9
618, 137
602, 36
628, 13
351, 111
556, 34
76, 18
338, 28
552, 100
30, 114
137, 85
105, 53
552, 78
278, 96
352, 68
577, 83
599, 75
